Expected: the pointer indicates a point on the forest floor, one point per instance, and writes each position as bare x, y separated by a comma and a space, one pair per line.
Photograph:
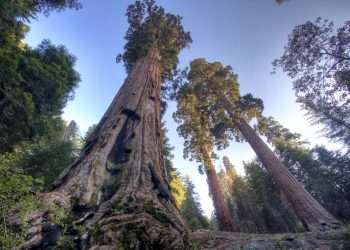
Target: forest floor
331, 240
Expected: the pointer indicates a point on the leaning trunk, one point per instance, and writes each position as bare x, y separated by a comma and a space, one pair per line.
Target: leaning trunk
309, 211
222, 211
117, 192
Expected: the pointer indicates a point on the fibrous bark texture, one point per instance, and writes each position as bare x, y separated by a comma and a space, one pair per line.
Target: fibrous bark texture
117, 192
222, 211
310, 212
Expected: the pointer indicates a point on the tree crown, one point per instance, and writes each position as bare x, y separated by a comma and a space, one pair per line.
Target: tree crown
150, 26
194, 125
317, 58
13, 14
203, 119
276, 133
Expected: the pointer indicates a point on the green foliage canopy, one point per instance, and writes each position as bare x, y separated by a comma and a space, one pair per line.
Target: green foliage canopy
317, 58
194, 126
211, 82
176, 185
14, 14
150, 26
35, 85
16, 190
202, 117
191, 209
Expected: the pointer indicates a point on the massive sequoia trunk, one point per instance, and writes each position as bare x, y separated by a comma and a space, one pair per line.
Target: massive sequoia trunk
117, 192
309, 211
222, 211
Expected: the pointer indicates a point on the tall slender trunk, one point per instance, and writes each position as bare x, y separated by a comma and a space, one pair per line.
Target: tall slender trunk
118, 189
222, 211
309, 211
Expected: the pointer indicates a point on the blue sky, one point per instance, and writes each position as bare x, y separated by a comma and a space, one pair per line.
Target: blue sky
246, 34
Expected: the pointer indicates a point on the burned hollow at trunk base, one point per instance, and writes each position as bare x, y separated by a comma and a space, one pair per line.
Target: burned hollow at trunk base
117, 193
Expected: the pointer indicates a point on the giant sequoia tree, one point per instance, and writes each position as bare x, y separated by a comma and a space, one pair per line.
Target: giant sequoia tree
215, 82
117, 193
325, 174
195, 127
256, 203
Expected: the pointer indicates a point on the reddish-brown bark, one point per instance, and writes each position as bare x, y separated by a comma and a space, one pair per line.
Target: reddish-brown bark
309, 211
117, 190
222, 211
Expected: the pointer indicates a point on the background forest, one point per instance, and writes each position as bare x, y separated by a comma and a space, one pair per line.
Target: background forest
42, 131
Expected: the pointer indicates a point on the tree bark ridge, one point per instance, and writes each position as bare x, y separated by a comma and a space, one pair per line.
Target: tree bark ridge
222, 211
118, 189
310, 212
